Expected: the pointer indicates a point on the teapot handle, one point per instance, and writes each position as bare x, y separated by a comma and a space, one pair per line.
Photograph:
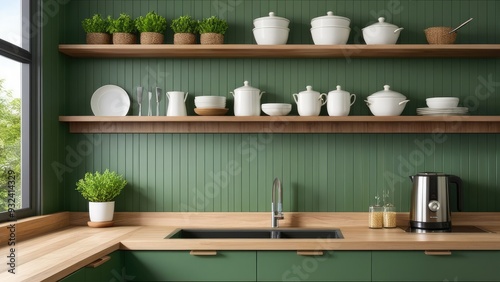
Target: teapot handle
323, 98
185, 97
231, 93
295, 95
168, 96
260, 95
353, 100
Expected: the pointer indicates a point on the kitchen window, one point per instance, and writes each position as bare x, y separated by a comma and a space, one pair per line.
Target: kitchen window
19, 110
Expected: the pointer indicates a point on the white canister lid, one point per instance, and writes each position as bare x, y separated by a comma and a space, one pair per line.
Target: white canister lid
271, 16
339, 91
330, 15
246, 87
387, 93
309, 90
382, 23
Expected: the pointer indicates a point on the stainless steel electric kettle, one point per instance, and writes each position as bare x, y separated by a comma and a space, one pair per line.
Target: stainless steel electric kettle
430, 201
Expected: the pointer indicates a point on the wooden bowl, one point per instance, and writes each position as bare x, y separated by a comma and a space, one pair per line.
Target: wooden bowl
210, 112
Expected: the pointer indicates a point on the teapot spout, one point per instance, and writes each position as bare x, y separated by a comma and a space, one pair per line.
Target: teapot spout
412, 177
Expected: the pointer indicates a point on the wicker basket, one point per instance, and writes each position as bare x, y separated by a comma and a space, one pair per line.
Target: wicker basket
98, 38
124, 38
184, 38
211, 38
440, 35
151, 38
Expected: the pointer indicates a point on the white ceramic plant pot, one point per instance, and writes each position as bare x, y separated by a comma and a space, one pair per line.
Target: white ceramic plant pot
101, 211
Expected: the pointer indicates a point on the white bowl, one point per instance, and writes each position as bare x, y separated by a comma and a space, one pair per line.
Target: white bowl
330, 35
442, 102
271, 21
329, 20
210, 98
271, 35
210, 105
276, 109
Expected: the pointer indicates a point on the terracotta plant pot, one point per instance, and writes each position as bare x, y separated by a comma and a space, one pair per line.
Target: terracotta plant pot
211, 38
151, 38
98, 38
184, 38
124, 38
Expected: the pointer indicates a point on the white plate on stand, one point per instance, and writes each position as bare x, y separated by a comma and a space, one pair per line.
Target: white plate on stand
110, 100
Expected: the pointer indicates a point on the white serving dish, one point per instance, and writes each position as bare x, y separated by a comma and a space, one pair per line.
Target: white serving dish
386, 102
271, 35
276, 109
110, 100
330, 35
271, 21
442, 102
329, 20
210, 105
381, 33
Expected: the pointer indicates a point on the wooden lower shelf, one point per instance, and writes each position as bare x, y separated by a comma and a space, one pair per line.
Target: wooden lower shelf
283, 124
281, 51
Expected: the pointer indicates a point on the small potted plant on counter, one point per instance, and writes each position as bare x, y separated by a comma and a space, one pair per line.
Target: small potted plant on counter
97, 30
212, 30
152, 27
100, 189
184, 28
123, 29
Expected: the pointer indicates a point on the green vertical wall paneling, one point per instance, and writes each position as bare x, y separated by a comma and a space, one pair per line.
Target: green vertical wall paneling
320, 172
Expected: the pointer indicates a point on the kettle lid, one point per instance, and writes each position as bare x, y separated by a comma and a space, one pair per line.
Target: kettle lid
430, 174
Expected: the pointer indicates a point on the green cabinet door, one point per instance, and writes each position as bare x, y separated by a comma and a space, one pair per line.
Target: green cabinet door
331, 266
182, 266
417, 266
107, 271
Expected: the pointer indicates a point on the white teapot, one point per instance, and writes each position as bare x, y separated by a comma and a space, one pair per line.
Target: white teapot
309, 102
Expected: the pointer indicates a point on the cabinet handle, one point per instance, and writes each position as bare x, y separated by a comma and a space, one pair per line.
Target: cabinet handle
438, 253
310, 253
98, 262
203, 253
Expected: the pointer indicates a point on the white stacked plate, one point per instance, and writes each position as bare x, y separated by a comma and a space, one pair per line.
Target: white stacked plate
210, 102
456, 111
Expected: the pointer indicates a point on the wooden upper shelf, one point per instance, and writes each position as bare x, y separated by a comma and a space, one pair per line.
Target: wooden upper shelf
281, 51
283, 124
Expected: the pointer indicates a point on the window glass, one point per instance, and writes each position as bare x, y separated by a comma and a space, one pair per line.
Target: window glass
10, 134
11, 27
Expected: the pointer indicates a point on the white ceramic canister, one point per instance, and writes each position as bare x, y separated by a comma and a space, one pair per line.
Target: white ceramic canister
340, 102
247, 100
309, 102
176, 103
381, 33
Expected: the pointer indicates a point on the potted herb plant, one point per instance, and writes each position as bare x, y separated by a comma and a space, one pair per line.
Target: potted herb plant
100, 189
184, 28
152, 27
97, 30
123, 29
212, 30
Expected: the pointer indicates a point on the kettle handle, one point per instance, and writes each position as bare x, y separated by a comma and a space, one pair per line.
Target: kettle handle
185, 97
295, 95
458, 182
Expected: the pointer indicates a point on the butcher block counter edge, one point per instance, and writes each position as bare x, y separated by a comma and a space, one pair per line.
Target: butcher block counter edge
51, 247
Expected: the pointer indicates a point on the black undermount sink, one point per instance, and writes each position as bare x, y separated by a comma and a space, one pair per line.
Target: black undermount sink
278, 233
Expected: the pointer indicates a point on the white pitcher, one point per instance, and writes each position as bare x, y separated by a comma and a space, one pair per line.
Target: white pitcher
176, 103
340, 102
309, 102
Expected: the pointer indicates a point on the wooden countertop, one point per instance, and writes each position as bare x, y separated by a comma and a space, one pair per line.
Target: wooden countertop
63, 243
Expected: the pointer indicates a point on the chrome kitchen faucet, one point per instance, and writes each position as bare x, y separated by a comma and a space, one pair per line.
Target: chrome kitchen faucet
277, 203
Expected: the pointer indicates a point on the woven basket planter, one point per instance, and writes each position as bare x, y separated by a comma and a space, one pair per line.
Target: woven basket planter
124, 38
151, 38
98, 38
184, 38
211, 38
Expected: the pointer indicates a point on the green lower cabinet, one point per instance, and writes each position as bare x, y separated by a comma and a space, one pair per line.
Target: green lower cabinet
182, 266
107, 271
331, 266
417, 266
